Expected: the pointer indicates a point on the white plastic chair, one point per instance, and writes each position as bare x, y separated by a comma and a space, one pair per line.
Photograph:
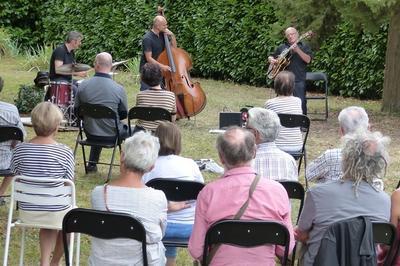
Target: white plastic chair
35, 194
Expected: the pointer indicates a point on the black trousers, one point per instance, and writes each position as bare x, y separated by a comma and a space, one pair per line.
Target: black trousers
300, 91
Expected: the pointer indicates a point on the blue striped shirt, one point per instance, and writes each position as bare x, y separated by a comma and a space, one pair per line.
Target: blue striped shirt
46, 161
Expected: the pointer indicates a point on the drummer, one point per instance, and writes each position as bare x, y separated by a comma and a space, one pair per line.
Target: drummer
65, 54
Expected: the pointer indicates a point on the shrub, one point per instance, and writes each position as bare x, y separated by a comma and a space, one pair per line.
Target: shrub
28, 97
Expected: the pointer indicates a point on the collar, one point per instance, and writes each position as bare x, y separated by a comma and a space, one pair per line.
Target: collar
244, 170
266, 145
103, 75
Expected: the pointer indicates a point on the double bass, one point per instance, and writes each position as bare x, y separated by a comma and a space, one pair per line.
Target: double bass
190, 97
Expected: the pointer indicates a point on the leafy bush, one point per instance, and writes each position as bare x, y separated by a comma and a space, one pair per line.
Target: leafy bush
7, 46
38, 58
28, 97
354, 61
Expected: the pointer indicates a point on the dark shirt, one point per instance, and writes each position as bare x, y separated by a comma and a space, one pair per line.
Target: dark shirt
61, 53
297, 66
151, 43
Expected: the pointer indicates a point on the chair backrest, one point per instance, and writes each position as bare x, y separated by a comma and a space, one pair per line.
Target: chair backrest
247, 233
295, 190
104, 225
314, 76
149, 113
39, 191
11, 133
385, 233
296, 120
176, 189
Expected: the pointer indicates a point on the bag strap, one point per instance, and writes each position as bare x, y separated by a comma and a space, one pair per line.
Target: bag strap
214, 249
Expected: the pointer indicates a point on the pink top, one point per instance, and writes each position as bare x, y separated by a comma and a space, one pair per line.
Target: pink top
223, 198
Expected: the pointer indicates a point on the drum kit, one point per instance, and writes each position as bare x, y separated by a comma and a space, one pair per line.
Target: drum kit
61, 93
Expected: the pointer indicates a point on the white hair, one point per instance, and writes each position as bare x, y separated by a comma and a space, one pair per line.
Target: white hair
266, 122
353, 118
364, 157
140, 152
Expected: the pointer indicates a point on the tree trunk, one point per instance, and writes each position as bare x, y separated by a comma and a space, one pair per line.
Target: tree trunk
391, 84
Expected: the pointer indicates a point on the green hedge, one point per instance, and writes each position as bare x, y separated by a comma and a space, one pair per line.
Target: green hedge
354, 62
227, 39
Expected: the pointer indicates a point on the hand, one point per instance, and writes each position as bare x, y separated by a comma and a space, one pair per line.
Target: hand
168, 32
295, 48
272, 60
300, 235
174, 206
165, 68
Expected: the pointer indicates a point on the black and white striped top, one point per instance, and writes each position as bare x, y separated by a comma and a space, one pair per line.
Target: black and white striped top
289, 139
46, 161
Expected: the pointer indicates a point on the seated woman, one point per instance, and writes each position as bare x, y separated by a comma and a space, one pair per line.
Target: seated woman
43, 157
128, 194
364, 158
170, 165
155, 96
289, 139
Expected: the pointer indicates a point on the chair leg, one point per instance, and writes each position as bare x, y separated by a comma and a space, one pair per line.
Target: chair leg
21, 256
78, 247
111, 164
84, 159
7, 244
71, 247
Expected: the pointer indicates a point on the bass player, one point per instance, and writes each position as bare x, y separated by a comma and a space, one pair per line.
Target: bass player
300, 56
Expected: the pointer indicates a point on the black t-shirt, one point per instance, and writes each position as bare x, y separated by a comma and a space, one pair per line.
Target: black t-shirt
151, 42
297, 66
61, 53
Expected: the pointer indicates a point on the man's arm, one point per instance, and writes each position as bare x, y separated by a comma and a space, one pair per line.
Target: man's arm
317, 169
123, 105
306, 219
148, 54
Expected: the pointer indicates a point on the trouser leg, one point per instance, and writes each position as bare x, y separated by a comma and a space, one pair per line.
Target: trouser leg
300, 91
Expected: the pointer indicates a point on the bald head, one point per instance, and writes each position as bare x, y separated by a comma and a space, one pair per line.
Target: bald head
236, 147
103, 62
291, 35
159, 24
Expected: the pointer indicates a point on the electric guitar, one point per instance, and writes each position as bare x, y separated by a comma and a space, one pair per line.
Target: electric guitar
283, 60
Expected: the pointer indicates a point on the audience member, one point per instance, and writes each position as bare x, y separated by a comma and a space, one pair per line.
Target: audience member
328, 165
9, 116
103, 90
154, 96
43, 157
170, 165
270, 162
364, 157
289, 139
223, 198
395, 218
128, 194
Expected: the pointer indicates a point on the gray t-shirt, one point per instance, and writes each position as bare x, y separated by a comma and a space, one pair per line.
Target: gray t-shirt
334, 201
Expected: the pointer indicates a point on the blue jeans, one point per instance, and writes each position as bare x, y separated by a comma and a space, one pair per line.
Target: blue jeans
175, 230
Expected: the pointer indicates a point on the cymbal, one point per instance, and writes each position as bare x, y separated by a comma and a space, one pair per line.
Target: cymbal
70, 69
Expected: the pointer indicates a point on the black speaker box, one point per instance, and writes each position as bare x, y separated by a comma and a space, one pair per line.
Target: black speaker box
227, 119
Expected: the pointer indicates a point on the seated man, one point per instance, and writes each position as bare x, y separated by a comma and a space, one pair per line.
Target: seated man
271, 162
101, 89
9, 116
223, 198
364, 158
154, 96
328, 166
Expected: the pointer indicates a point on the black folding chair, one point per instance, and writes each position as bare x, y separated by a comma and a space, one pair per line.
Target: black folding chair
10, 133
295, 190
148, 114
385, 233
104, 225
302, 121
250, 233
311, 78
176, 190
96, 111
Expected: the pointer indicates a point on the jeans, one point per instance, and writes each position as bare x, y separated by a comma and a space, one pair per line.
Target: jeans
175, 230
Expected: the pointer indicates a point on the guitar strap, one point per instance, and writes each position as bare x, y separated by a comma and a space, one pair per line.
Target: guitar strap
214, 249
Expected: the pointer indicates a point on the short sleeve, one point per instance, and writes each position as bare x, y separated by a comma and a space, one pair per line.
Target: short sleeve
147, 45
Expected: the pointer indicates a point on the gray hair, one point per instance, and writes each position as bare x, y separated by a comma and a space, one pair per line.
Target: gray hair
364, 157
104, 59
236, 146
353, 118
74, 35
266, 122
140, 152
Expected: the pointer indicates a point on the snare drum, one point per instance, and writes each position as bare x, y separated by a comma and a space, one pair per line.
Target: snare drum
59, 93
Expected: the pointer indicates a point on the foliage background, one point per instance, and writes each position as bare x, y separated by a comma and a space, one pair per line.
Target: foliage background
227, 39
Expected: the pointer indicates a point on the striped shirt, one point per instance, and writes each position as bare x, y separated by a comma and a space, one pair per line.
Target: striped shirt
43, 160
289, 139
9, 116
155, 98
273, 163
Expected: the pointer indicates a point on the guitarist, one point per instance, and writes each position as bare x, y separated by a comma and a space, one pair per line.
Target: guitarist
299, 56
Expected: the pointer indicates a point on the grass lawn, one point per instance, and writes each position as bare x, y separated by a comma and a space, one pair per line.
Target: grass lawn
197, 142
